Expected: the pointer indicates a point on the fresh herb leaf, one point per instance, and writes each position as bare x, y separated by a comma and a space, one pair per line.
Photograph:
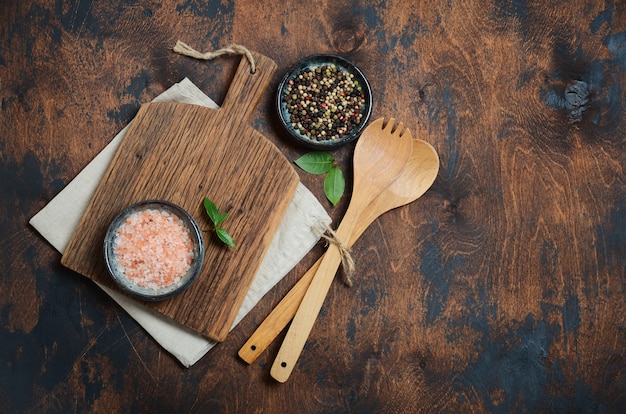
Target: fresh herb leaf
217, 219
225, 237
220, 218
334, 185
316, 162
211, 210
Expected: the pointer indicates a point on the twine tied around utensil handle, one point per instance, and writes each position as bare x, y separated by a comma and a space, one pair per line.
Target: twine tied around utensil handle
233, 49
347, 262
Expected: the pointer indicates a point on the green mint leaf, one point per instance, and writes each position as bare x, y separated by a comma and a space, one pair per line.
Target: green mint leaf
211, 210
220, 218
316, 162
334, 185
225, 237
217, 218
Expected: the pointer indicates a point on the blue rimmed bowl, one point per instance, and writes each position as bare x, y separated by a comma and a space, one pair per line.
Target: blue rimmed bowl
119, 273
291, 116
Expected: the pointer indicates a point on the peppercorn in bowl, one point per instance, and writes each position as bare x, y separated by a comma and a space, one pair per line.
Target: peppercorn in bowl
153, 250
324, 102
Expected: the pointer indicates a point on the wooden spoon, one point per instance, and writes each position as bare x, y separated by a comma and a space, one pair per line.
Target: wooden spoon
416, 178
380, 156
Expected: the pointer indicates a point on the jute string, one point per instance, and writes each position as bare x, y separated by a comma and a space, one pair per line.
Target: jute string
233, 49
347, 262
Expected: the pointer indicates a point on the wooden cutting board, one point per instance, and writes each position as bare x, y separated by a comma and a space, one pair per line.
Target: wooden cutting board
183, 153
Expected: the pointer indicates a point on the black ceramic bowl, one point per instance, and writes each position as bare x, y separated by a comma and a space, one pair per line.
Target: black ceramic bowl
121, 247
358, 108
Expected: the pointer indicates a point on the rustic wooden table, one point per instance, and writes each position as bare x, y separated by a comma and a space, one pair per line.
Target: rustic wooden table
503, 289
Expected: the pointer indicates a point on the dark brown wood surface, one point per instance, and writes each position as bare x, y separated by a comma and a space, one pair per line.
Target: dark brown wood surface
503, 289
183, 153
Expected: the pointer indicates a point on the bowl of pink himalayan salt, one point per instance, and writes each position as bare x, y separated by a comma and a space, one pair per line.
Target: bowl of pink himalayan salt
153, 250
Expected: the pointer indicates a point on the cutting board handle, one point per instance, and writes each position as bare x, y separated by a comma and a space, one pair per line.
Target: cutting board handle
246, 87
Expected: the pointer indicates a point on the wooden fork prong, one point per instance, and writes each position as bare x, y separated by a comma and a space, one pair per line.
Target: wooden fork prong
395, 128
399, 129
406, 132
388, 124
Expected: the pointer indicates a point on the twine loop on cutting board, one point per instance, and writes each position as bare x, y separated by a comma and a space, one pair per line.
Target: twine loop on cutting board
233, 49
347, 262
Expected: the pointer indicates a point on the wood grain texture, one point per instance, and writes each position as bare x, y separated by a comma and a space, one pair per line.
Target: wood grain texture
182, 153
501, 290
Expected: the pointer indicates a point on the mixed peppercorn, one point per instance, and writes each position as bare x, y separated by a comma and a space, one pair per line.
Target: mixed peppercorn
324, 102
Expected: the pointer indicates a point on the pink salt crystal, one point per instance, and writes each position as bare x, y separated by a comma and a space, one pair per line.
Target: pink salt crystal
153, 248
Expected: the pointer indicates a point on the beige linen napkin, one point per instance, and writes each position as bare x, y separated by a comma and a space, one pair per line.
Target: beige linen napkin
295, 237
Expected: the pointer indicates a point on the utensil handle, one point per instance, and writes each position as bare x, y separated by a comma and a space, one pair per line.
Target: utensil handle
284, 312
306, 315
312, 302
276, 321
246, 87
